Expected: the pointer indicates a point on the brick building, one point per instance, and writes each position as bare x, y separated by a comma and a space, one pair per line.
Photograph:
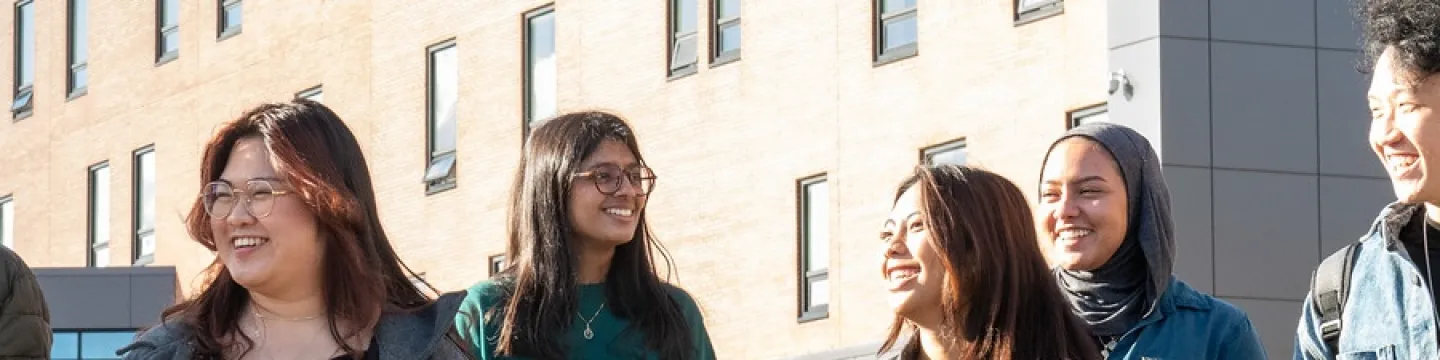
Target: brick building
775, 167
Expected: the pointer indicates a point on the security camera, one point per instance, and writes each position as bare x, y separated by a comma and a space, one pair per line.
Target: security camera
1118, 80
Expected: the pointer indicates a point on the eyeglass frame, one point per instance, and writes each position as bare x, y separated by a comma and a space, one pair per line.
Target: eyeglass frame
590, 174
245, 196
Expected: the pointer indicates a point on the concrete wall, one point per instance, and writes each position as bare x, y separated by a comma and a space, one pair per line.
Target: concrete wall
1261, 122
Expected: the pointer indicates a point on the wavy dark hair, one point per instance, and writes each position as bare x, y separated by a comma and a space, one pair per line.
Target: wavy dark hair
317, 154
539, 291
1411, 27
983, 230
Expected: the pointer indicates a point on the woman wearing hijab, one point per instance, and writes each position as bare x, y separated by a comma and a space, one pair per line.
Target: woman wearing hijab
1104, 215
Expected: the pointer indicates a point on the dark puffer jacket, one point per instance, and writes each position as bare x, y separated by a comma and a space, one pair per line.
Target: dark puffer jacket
24, 318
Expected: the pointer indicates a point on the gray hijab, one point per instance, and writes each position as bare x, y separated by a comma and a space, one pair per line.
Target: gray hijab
1116, 296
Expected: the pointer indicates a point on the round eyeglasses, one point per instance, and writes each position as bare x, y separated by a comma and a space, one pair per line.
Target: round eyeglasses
219, 198
608, 178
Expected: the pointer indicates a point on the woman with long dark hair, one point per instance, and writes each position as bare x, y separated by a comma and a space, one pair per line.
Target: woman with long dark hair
965, 274
303, 269
582, 281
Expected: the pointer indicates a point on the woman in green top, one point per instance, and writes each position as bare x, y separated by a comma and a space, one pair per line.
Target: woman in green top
581, 283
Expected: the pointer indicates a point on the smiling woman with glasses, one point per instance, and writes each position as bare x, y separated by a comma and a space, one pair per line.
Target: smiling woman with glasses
582, 284
302, 269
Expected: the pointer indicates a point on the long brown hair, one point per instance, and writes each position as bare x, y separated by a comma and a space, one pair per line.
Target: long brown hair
318, 155
981, 226
539, 289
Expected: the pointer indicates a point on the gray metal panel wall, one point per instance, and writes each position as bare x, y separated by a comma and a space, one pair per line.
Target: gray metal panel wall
107, 298
1259, 117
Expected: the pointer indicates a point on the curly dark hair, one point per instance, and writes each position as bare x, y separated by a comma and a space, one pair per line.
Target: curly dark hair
1412, 27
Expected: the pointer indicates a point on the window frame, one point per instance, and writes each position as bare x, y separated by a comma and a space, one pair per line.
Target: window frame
448, 159
161, 30
808, 278
71, 44
717, 25
138, 231
527, 95
674, 37
22, 103
497, 264
311, 92
92, 212
880, 18
223, 29
7, 236
1073, 117
928, 153
1044, 10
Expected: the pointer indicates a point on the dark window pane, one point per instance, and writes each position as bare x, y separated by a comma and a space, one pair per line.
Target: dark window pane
232, 16
102, 345
684, 53
22, 102
171, 41
954, 156
25, 64
441, 167
146, 191
684, 16
79, 77
444, 98
168, 13
542, 77
728, 9
1032, 4
79, 30
817, 226
730, 38
896, 5
497, 264
899, 32
65, 345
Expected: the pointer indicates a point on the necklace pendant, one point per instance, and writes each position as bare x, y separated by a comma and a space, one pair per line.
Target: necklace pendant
589, 334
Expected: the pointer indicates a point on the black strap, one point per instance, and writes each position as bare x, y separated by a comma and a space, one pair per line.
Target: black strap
1330, 285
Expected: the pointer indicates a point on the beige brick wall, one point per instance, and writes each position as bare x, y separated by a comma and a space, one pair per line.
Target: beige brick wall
728, 142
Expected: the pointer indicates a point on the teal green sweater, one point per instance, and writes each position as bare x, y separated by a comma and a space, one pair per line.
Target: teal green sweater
607, 342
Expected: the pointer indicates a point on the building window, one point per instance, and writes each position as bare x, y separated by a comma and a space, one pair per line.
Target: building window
1030, 10
896, 33
229, 19
88, 345
497, 264
24, 96
540, 79
952, 153
315, 94
1096, 113
79, 77
99, 219
144, 218
167, 30
725, 46
418, 280
815, 248
7, 221
684, 42
444, 95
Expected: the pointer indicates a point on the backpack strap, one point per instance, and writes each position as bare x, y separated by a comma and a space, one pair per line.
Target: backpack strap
1330, 285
